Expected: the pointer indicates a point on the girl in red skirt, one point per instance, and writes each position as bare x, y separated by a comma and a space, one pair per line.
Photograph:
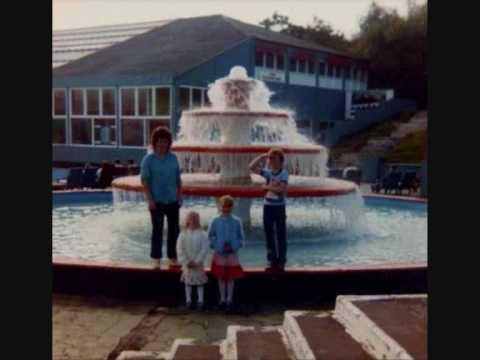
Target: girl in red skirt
226, 238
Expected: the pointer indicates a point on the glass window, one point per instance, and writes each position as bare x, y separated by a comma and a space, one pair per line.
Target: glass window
153, 124
302, 65
348, 71
82, 131
59, 102
105, 132
108, 100
293, 64
184, 99
311, 67
321, 68
162, 101
339, 72
59, 131
128, 102
206, 100
323, 125
196, 98
145, 102
331, 70
77, 102
93, 104
259, 58
280, 64
132, 132
360, 75
269, 61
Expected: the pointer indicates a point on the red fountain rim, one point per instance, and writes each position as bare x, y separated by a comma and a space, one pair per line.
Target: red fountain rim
313, 149
249, 191
238, 113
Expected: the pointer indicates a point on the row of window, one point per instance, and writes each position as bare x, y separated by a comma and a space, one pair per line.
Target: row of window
276, 62
93, 113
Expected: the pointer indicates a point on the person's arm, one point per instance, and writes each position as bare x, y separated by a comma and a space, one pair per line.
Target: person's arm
240, 235
179, 184
181, 253
145, 175
202, 255
255, 164
279, 187
212, 234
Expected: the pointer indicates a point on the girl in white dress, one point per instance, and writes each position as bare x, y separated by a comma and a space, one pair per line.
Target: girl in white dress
192, 250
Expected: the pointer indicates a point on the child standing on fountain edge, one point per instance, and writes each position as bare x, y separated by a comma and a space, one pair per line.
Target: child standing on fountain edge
226, 238
192, 250
274, 209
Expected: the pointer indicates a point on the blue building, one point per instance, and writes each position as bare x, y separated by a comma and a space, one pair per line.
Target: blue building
120, 83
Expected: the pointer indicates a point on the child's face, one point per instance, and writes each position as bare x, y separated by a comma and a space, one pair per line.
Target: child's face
226, 208
274, 161
192, 222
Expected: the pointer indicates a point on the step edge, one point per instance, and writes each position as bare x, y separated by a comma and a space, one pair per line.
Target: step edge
229, 348
296, 340
366, 332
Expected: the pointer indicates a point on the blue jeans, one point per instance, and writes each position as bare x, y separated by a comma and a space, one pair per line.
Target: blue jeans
274, 223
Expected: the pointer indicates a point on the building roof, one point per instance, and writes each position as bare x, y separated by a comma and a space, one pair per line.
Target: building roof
175, 48
72, 44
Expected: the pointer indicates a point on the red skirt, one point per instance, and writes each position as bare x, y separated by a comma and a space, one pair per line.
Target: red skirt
226, 267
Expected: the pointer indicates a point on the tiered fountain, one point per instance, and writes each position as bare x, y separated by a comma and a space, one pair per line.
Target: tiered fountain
216, 144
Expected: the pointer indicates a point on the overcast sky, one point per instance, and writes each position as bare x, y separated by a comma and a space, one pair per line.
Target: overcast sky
343, 15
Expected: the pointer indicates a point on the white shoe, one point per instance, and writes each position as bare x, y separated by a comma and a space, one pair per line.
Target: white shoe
156, 263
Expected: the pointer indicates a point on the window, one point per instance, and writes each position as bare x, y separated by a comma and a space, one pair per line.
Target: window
280, 64
128, 102
206, 100
302, 65
77, 102
81, 131
331, 70
93, 104
196, 98
184, 98
269, 61
293, 64
132, 132
104, 132
108, 101
142, 108
321, 68
59, 131
59, 102
323, 125
339, 72
93, 117
59, 116
348, 71
162, 101
311, 67
259, 58
145, 101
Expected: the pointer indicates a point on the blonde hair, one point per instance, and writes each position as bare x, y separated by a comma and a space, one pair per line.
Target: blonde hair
226, 200
194, 217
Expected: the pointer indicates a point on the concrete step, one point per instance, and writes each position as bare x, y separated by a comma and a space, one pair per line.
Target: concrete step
388, 326
250, 343
320, 336
197, 352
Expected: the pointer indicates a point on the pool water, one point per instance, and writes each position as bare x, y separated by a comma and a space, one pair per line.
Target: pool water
91, 227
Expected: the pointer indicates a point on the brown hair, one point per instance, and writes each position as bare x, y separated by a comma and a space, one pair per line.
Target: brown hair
226, 200
161, 132
194, 217
277, 152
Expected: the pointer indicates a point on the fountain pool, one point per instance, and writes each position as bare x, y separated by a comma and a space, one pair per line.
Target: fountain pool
90, 226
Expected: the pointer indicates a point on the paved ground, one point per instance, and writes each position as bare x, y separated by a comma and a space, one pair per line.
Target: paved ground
100, 328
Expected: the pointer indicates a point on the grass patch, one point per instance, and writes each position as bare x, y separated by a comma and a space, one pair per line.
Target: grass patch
411, 149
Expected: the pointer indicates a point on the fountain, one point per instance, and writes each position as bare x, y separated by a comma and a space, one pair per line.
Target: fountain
216, 144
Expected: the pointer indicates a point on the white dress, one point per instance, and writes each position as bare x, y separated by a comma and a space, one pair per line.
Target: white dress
193, 246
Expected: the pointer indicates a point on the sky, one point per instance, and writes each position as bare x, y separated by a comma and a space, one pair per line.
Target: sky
342, 15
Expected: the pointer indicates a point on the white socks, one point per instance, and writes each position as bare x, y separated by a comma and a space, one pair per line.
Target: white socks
188, 293
222, 285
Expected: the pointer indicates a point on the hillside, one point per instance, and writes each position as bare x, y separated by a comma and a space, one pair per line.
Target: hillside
400, 139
